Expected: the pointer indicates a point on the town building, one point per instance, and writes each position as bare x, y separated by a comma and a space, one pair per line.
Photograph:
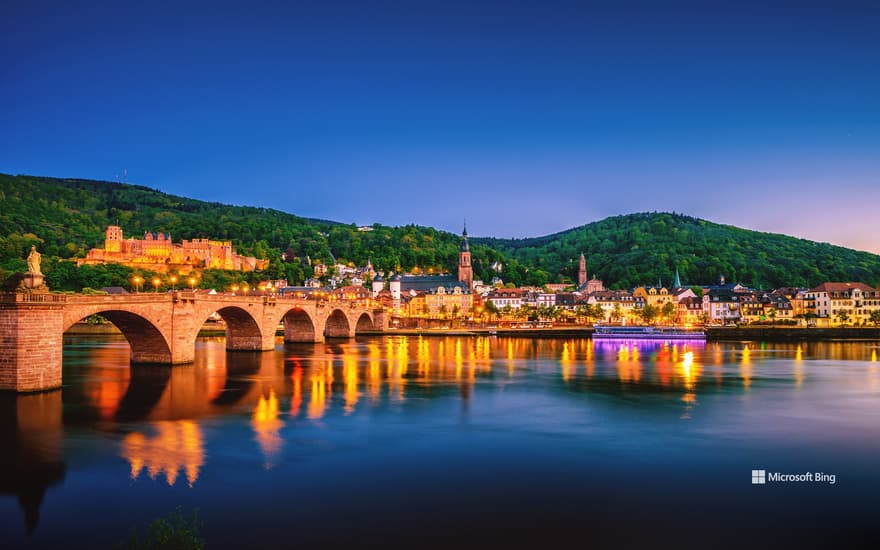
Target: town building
690, 311
454, 302
655, 296
545, 299
350, 293
722, 306
617, 305
844, 303
507, 297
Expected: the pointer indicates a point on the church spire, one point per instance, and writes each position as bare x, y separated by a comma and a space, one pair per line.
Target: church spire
465, 247
677, 282
465, 269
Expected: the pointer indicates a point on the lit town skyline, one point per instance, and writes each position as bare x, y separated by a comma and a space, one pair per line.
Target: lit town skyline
611, 107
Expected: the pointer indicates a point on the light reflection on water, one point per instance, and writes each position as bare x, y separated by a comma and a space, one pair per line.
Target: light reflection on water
437, 411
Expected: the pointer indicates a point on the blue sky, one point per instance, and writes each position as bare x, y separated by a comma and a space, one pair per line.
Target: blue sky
523, 117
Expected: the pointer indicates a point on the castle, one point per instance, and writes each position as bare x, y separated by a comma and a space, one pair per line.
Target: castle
156, 252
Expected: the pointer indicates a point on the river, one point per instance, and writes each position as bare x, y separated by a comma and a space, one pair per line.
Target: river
468, 442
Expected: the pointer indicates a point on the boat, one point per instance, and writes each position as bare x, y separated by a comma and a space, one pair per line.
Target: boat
647, 333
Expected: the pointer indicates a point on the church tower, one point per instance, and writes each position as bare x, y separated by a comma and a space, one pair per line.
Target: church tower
582, 271
465, 270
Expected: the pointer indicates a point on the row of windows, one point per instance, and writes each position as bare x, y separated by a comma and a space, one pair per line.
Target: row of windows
856, 312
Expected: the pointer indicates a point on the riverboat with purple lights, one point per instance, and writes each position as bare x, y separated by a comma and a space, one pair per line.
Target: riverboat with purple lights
647, 333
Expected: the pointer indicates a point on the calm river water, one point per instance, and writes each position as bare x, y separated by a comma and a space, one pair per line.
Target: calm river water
465, 442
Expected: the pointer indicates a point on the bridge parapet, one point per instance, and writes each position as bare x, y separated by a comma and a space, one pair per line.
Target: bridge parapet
30, 298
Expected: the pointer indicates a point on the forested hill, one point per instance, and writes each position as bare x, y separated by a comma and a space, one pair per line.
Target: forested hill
66, 217
638, 249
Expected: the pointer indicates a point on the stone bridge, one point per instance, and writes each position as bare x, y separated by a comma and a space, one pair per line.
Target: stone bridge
161, 328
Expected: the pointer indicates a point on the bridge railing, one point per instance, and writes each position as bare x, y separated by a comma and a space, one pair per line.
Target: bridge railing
23, 297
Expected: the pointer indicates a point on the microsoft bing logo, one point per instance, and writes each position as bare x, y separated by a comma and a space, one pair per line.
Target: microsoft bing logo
759, 477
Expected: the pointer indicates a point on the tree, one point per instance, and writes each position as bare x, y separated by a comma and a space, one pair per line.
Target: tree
842, 317
649, 314
616, 313
669, 311
507, 310
875, 317
491, 309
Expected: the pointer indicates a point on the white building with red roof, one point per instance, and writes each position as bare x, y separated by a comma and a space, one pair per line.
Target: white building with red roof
845, 302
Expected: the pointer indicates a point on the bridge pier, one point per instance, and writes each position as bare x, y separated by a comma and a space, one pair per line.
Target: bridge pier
31, 328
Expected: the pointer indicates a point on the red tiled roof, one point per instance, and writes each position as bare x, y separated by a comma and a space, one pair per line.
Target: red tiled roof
842, 287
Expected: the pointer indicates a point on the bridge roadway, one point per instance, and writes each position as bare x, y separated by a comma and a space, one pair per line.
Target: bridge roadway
161, 328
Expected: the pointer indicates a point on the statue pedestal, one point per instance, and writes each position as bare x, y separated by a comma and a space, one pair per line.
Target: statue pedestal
32, 282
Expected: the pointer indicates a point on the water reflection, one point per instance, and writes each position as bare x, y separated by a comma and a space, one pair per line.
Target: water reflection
167, 448
313, 381
156, 416
267, 426
31, 458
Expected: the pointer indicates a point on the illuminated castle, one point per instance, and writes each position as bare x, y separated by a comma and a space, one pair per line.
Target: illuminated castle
156, 252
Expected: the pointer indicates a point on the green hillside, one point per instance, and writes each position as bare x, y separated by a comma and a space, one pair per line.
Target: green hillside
66, 217
638, 249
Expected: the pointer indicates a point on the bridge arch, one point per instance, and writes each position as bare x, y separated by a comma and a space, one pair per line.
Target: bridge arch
337, 325
243, 331
364, 322
147, 341
299, 326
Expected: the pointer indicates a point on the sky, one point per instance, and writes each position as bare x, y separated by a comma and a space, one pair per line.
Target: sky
525, 118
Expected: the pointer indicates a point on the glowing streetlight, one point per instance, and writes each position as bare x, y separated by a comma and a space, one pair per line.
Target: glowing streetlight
156, 282
137, 282
192, 283
234, 289
173, 280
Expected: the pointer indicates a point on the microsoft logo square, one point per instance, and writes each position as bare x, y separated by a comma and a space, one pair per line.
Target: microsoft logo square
759, 477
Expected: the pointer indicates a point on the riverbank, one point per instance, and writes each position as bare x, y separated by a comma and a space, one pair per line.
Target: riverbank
556, 332
790, 334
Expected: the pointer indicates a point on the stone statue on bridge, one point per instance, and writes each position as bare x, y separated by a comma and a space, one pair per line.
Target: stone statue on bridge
30, 282
33, 261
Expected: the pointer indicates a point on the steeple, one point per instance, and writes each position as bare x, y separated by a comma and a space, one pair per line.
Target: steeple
465, 269
677, 282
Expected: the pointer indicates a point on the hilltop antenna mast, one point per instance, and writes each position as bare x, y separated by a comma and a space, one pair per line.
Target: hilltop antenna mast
125, 175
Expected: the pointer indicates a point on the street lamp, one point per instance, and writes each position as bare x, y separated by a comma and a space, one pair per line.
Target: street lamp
173, 280
156, 282
192, 283
137, 283
234, 289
